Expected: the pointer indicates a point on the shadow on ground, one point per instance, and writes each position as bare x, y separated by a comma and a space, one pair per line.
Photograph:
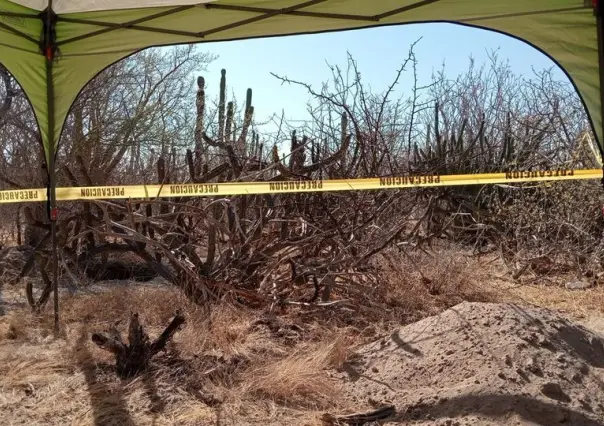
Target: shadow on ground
497, 406
108, 405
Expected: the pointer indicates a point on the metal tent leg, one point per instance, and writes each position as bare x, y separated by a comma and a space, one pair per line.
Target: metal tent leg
49, 47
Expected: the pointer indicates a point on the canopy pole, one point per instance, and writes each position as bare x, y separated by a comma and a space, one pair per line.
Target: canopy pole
49, 48
599, 28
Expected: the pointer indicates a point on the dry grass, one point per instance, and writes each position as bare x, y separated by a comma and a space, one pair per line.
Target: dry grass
231, 366
419, 284
226, 331
226, 365
156, 304
16, 326
576, 304
300, 378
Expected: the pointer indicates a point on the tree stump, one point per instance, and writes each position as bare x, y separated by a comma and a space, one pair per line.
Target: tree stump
134, 357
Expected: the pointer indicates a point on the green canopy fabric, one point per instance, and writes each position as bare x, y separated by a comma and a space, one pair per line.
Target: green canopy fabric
93, 34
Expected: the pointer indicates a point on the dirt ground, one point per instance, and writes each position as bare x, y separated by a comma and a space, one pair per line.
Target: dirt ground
485, 363
532, 353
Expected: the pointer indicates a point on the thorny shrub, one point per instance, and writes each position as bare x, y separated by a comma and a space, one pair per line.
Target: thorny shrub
268, 250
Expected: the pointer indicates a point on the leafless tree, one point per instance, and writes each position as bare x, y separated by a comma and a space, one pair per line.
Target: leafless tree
140, 122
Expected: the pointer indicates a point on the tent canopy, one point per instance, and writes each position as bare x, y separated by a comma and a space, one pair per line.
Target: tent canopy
90, 35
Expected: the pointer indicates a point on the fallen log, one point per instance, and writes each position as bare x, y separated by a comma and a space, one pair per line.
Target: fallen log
134, 357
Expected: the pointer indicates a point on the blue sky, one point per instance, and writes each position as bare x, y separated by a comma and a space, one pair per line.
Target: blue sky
378, 51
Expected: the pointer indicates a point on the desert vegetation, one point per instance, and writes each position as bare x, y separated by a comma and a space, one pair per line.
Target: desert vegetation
267, 292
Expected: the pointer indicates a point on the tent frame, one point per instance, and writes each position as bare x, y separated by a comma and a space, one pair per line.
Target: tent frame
599, 14
49, 48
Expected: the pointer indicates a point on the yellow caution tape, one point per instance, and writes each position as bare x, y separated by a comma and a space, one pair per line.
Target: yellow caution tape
249, 188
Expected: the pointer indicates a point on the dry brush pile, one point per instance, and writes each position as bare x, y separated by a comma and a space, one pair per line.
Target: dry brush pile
132, 125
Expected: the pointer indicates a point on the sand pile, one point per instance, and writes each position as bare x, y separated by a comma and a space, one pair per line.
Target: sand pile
482, 364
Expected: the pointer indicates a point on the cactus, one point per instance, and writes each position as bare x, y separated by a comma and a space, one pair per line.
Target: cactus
226, 139
199, 123
343, 132
450, 151
221, 106
228, 129
297, 156
297, 162
314, 153
507, 150
227, 142
437, 129
464, 123
247, 121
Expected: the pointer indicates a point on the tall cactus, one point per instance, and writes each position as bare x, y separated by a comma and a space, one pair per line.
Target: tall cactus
221, 105
247, 121
228, 127
343, 132
297, 156
508, 149
226, 139
437, 128
201, 104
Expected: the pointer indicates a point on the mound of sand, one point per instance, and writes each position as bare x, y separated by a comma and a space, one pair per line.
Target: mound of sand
483, 364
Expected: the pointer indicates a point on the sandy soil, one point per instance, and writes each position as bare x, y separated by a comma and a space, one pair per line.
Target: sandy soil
483, 364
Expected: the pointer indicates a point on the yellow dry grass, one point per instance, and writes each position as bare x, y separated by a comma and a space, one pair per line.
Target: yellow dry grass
585, 304
421, 284
300, 378
221, 369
